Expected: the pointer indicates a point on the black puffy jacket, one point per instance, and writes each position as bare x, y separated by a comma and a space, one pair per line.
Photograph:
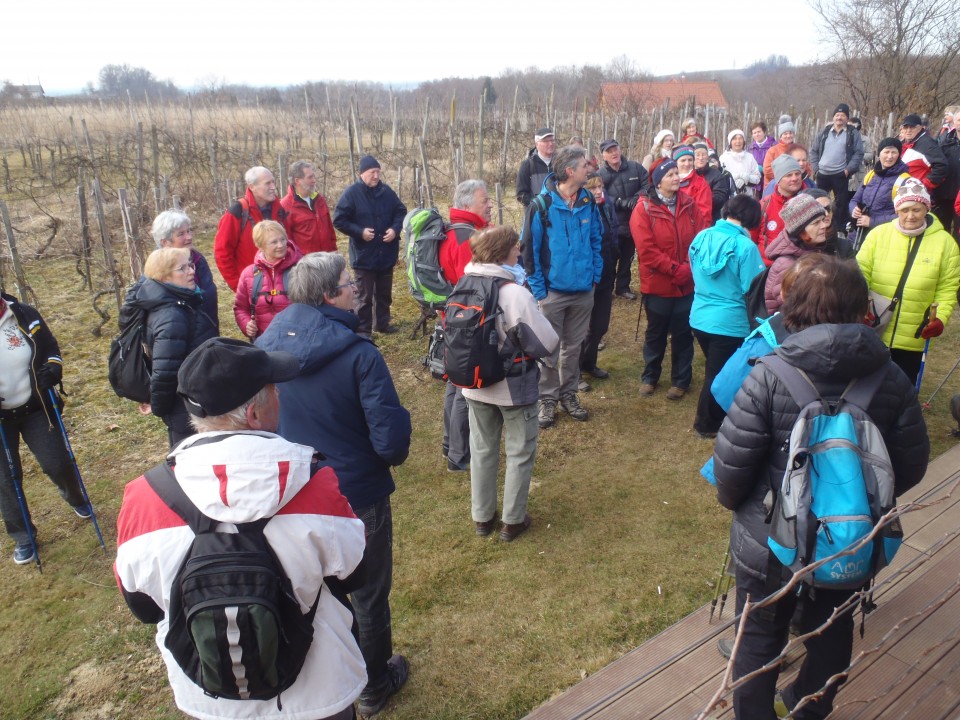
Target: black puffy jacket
176, 325
624, 187
751, 452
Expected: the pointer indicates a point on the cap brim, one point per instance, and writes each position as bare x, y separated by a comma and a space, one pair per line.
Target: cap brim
283, 366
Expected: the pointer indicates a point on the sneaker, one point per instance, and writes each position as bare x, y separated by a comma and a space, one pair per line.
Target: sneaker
779, 706
675, 393
598, 373
23, 553
83, 511
647, 389
584, 386
398, 669
548, 414
627, 295
571, 406
602, 345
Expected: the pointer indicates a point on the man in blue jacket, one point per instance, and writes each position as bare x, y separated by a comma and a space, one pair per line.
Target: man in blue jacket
561, 242
371, 214
344, 404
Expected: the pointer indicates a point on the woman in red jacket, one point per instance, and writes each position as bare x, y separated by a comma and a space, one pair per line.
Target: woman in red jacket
691, 183
262, 289
663, 225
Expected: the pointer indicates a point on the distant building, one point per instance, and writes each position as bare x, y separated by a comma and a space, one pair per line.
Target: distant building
23, 92
669, 94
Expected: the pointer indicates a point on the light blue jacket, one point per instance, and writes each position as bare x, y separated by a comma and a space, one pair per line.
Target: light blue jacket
723, 260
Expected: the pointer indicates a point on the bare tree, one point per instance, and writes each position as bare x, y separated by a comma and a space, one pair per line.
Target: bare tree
892, 55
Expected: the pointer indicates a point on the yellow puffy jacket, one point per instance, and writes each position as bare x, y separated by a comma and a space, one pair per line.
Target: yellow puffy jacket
934, 277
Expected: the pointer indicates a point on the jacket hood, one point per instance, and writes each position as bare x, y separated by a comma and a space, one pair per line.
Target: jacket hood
488, 270
291, 258
785, 246
838, 352
714, 248
241, 476
151, 294
316, 335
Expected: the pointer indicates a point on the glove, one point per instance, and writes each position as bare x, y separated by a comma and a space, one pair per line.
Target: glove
48, 376
625, 203
683, 275
933, 328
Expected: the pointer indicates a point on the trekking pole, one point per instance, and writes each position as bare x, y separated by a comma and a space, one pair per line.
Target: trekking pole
723, 572
76, 468
926, 405
21, 500
926, 348
636, 335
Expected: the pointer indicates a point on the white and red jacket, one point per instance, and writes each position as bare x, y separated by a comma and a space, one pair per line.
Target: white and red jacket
926, 161
238, 477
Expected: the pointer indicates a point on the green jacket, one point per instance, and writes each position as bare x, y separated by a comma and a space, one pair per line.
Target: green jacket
934, 277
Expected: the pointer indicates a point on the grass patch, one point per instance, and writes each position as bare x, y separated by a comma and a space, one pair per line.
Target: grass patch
627, 540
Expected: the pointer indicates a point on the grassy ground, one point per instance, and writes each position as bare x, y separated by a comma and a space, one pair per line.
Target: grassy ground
626, 541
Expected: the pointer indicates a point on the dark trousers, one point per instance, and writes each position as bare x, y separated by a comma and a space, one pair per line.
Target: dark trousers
717, 349
943, 209
178, 424
46, 443
668, 316
908, 361
456, 426
375, 290
624, 262
599, 316
839, 185
765, 635
371, 603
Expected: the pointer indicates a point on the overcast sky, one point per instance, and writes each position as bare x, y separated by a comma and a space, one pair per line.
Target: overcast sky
63, 44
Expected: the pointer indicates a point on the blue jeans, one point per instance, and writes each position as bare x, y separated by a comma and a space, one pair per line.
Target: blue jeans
46, 443
371, 603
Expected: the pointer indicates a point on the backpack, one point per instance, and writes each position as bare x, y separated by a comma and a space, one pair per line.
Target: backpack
433, 360
471, 355
128, 365
235, 626
838, 484
756, 299
425, 231
256, 289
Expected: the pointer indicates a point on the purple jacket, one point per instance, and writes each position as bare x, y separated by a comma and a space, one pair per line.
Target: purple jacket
876, 192
760, 151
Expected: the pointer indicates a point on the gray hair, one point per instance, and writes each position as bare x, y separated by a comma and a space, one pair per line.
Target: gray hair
465, 193
566, 158
235, 419
315, 276
251, 176
166, 224
298, 169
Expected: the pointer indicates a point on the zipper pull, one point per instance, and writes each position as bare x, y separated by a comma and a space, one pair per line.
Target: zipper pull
826, 531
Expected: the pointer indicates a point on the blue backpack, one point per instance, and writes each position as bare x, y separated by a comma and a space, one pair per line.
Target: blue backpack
837, 485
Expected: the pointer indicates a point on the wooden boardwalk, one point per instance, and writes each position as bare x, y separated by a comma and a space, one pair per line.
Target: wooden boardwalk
911, 665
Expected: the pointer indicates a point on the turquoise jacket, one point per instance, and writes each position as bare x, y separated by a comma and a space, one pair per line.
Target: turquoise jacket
724, 260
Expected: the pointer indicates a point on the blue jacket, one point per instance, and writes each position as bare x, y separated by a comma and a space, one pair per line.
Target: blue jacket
344, 403
723, 260
876, 192
379, 208
565, 256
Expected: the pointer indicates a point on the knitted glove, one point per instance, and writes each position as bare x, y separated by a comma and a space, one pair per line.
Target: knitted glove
933, 328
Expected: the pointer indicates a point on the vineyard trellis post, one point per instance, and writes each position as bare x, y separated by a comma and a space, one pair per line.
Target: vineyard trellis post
26, 292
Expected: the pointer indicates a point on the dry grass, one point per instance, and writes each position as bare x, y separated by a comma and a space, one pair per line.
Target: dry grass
626, 541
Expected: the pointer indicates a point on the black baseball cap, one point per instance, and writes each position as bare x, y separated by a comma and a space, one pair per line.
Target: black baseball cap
911, 120
607, 144
222, 374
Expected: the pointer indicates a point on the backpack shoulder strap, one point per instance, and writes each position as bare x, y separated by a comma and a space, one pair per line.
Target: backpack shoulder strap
165, 485
257, 286
464, 236
797, 382
244, 213
861, 390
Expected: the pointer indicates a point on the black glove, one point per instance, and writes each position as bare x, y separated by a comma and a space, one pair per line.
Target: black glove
626, 203
48, 376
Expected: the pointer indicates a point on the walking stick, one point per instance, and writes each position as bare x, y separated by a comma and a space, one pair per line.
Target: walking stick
76, 468
636, 335
21, 500
721, 581
926, 405
926, 348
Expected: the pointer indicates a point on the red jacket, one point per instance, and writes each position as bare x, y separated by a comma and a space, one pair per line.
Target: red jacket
770, 225
311, 229
233, 248
455, 250
699, 191
663, 243
273, 292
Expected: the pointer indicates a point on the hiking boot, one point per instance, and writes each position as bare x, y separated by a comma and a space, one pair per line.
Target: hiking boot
485, 528
548, 414
457, 467
598, 373
725, 647
83, 511
627, 295
647, 389
571, 406
705, 435
675, 393
583, 386
509, 533
398, 669
388, 330
23, 553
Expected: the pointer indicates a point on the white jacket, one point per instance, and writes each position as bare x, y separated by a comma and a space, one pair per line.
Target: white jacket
742, 167
314, 533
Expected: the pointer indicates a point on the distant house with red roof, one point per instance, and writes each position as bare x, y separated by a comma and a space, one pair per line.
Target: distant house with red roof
672, 93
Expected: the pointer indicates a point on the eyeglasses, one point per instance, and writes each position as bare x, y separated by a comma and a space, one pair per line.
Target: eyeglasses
186, 266
349, 283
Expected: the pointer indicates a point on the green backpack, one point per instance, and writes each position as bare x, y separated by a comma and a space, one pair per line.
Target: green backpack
425, 230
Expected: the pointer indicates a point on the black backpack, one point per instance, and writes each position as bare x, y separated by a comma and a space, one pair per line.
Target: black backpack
756, 300
471, 354
236, 579
129, 365
256, 290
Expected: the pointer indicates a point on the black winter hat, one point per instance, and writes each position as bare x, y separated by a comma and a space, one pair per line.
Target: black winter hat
844, 108
367, 162
890, 142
